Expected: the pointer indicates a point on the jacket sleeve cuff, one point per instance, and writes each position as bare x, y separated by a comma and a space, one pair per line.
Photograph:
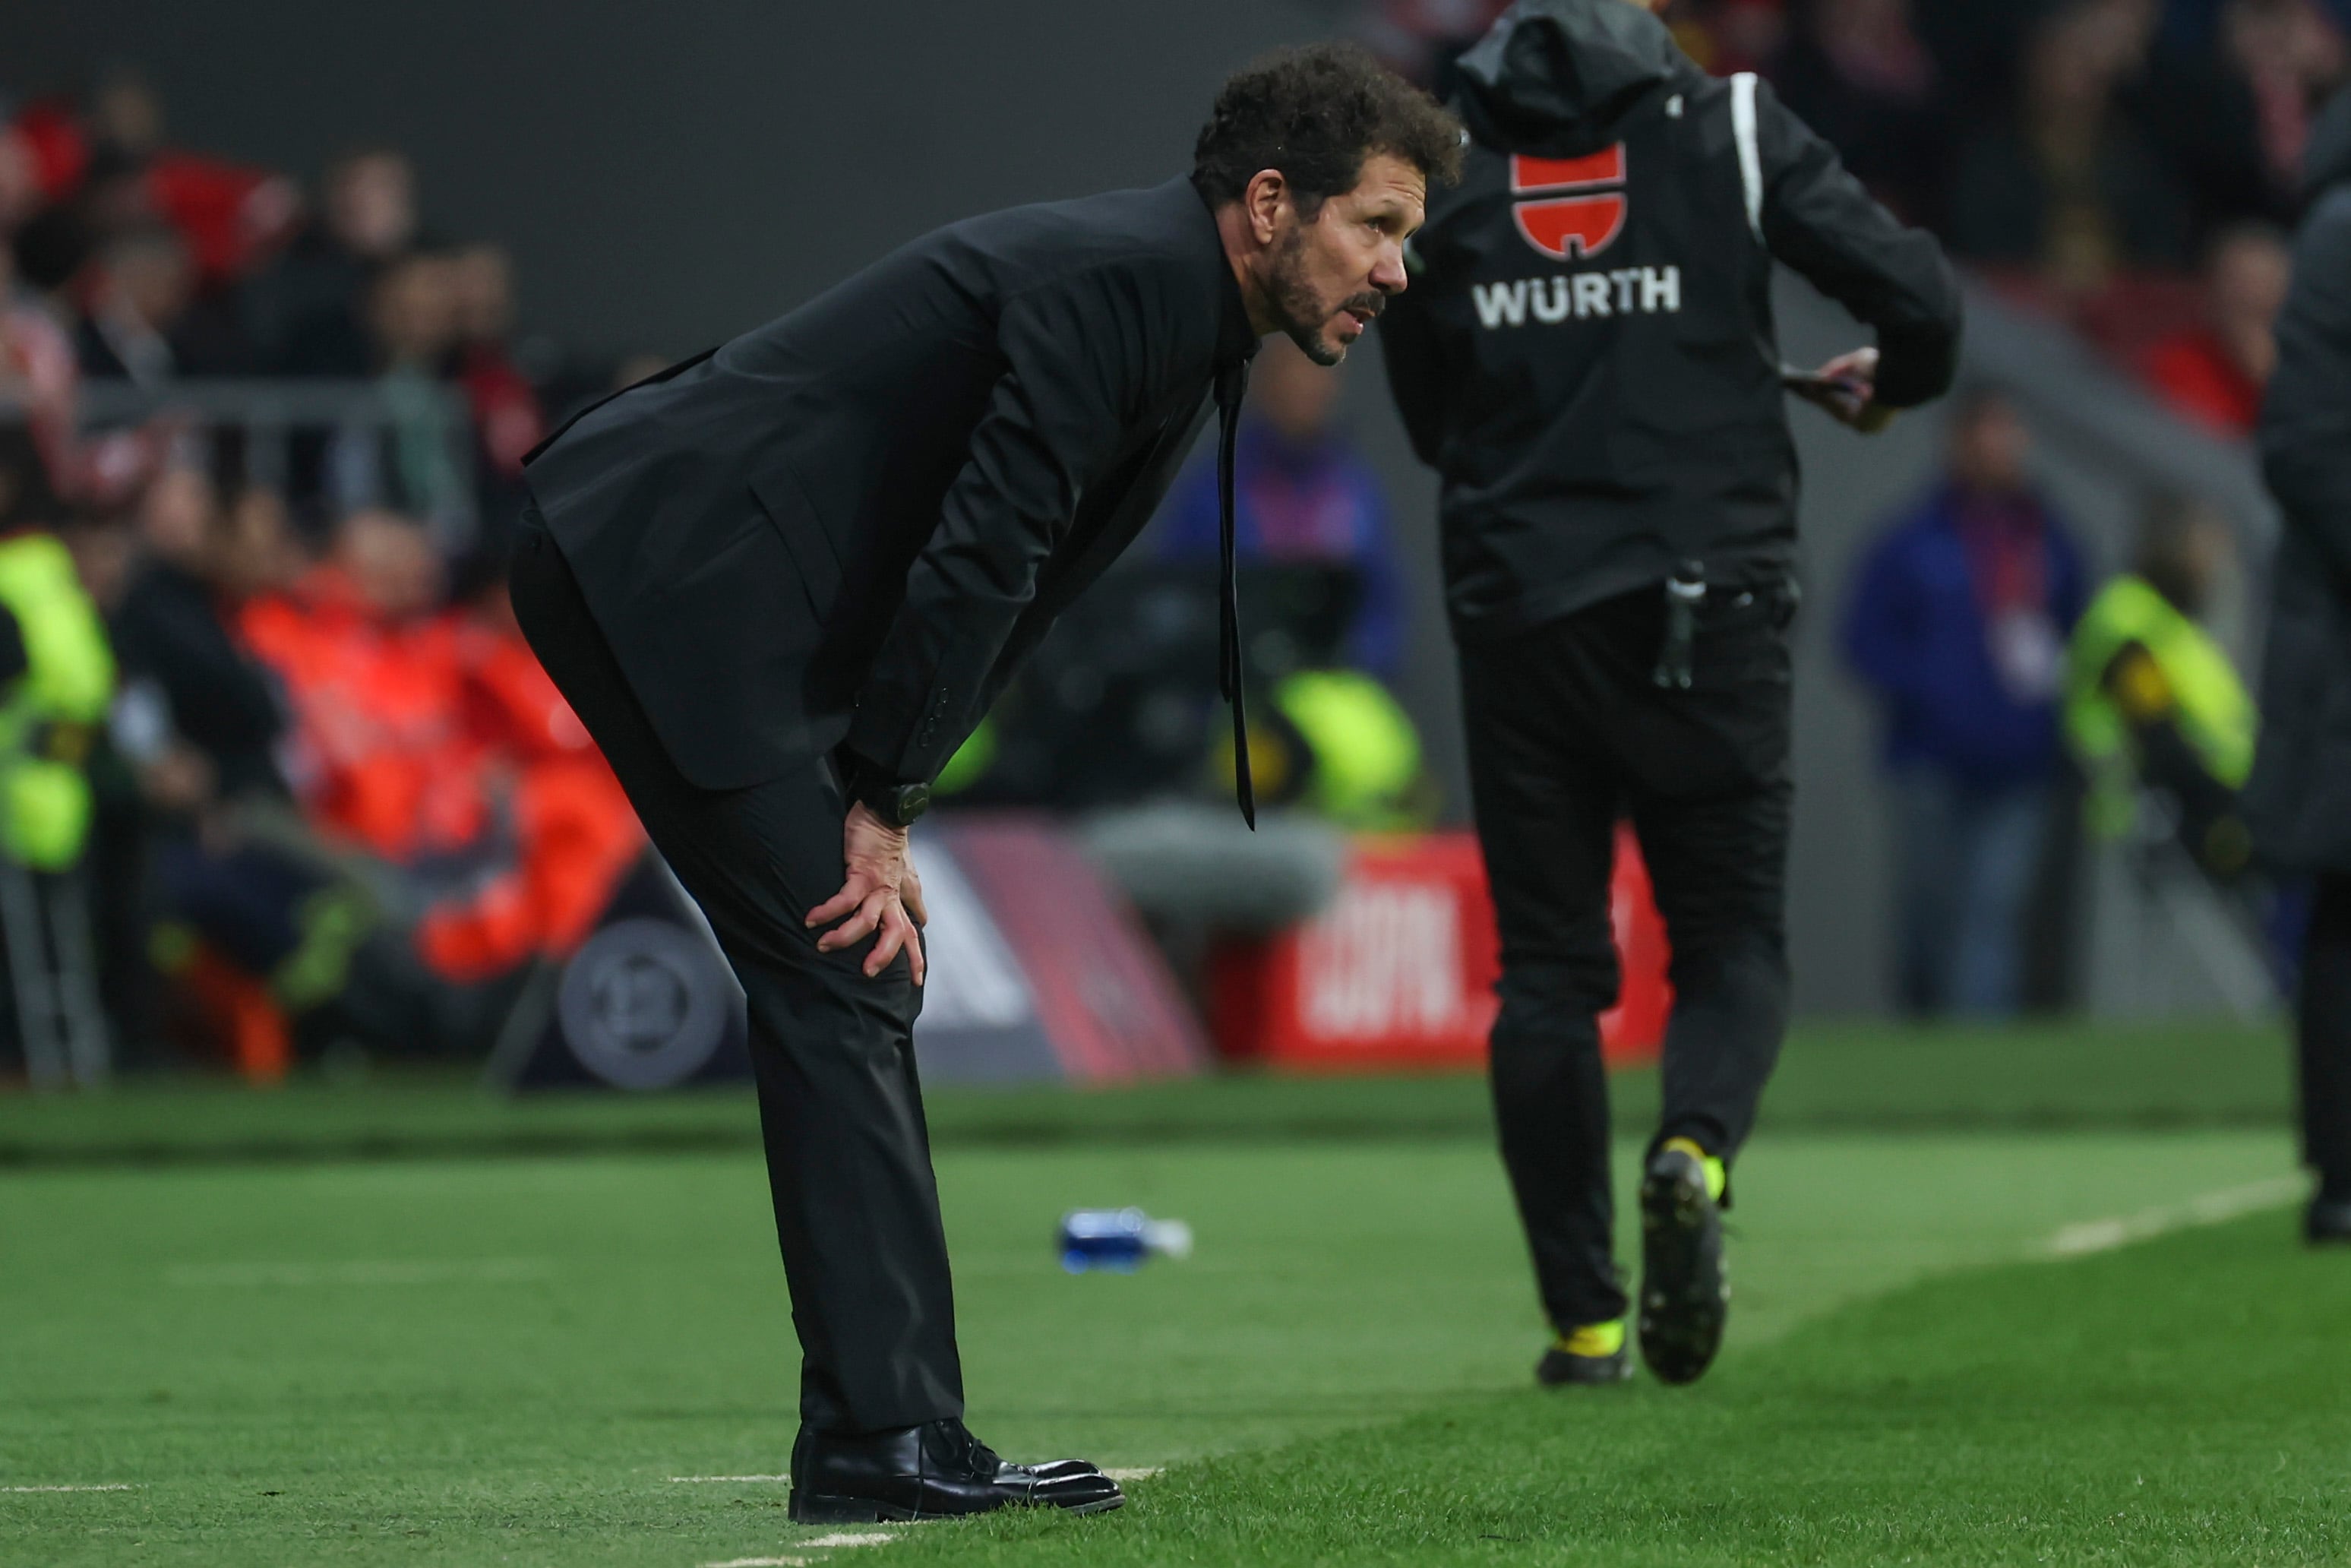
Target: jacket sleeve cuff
911, 742
1914, 366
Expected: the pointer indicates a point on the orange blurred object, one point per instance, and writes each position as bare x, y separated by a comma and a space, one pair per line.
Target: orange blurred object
238, 1009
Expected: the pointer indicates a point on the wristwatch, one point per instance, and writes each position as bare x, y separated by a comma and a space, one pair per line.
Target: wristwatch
894, 802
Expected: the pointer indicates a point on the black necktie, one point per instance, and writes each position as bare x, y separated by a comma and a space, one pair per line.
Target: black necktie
1232, 380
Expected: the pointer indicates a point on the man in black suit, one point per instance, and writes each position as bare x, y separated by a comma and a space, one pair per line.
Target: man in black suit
782, 582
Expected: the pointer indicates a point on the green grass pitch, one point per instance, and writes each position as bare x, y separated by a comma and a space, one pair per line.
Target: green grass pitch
1990, 1309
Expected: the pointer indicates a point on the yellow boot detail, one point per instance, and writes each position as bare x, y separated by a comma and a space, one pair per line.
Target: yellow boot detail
1594, 1339
1717, 1178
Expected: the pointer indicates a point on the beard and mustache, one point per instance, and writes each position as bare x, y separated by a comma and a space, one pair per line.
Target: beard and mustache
1301, 310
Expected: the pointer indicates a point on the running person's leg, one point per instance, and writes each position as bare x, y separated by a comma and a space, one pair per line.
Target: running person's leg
1711, 799
1546, 808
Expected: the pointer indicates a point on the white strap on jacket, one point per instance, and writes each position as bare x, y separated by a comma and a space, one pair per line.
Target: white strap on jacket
1751, 155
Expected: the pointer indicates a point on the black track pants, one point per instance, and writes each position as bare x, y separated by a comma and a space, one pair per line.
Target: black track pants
1568, 733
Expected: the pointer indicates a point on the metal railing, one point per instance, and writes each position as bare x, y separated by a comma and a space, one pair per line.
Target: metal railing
271, 416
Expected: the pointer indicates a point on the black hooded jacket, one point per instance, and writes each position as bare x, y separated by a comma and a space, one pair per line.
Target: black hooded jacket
2299, 802
1586, 352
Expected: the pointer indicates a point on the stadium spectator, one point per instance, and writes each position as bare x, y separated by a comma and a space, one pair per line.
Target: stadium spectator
1957, 621
211, 710
509, 417
1737, 35
408, 465
106, 152
39, 385
144, 322
1856, 72
370, 676
574, 834
1976, 45
20, 182
2066, 186
1419, 39
307, 315
2212, 374
2153, 703
1303, 494
506, 414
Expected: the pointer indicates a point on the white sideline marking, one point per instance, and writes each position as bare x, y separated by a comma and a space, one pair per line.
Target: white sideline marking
366, 1272
683, 1481
760, 1563
107, 1485
2210, 1208
1142, 1475
844, 1538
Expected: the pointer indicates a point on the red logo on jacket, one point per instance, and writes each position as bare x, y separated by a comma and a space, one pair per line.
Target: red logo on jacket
1579, 226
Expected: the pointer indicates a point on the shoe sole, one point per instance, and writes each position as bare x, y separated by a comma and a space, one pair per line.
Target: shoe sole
818, 1508
1619, 1370
1684, 1301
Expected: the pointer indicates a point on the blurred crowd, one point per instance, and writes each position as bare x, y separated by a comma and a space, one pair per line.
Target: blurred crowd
269, 732
273, 737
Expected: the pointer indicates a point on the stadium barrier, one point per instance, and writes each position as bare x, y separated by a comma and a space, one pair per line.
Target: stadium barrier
1038, 972
1398, 971
268, 417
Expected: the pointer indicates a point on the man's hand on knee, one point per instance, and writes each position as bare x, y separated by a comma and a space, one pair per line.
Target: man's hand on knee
881, 895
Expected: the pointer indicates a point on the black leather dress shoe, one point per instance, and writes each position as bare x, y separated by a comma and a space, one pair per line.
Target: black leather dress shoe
2327, 1222
936, 1470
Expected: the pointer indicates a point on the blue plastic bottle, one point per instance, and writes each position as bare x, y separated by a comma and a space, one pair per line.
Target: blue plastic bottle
1119, 1239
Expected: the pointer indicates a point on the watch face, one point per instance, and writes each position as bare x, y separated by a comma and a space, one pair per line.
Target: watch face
913, 801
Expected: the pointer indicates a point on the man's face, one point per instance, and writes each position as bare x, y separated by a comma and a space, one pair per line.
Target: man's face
1990, 448
371, 205
1329, 277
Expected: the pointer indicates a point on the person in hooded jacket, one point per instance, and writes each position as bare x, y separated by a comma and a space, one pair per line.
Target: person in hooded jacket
1587, 356
2298, 803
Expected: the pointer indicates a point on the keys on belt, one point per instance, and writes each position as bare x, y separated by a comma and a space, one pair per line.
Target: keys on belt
1685, 591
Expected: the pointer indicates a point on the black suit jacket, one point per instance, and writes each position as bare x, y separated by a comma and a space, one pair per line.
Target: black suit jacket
853, 522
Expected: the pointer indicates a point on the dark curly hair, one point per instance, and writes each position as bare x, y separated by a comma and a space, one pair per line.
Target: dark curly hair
1315, 113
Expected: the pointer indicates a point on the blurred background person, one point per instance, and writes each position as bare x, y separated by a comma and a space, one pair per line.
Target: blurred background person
1857, 72
1303, 494
1957, 621
408, 465
508, 416
2154, 705
2299, 801
2066, 187
307, 314
2212, 373
142, 321
2228, 98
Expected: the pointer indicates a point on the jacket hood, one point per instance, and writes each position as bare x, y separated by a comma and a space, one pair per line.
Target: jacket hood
2327, 161
1551, 75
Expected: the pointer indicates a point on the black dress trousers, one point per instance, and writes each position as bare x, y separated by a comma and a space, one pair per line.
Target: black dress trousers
2324, 1034
1569, 732
840, 1110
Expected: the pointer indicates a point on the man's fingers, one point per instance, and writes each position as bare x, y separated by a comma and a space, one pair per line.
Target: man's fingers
910, 894
854, 892
897, 932
858, 926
